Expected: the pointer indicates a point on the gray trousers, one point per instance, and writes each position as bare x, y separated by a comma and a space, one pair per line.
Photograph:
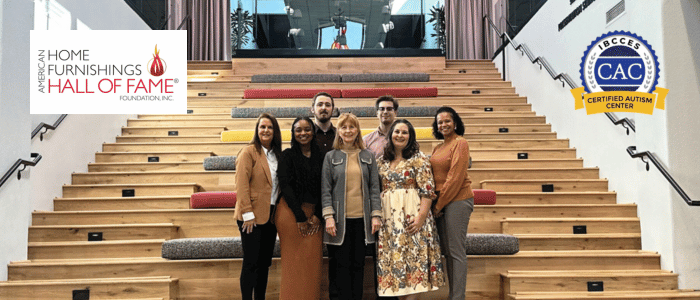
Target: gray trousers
452, 228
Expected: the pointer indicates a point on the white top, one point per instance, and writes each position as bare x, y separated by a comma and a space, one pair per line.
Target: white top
272, 162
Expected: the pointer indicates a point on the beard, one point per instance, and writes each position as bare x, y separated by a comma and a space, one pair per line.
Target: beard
322, 119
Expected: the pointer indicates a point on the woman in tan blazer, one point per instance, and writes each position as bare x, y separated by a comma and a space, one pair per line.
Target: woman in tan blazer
257, 192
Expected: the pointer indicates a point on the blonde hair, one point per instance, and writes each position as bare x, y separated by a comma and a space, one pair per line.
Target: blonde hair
352, 119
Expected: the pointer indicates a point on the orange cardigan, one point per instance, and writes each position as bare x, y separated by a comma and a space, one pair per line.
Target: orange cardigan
450, 163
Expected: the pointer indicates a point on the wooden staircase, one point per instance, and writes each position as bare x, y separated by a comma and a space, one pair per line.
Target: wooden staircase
572, 236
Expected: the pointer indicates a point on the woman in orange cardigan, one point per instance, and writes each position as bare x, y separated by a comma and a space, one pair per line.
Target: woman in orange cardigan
455, 202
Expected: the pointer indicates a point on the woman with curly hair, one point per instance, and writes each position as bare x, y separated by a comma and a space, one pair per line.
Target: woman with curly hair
409, 261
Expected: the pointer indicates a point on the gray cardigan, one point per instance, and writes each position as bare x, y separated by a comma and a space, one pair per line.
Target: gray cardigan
333, 193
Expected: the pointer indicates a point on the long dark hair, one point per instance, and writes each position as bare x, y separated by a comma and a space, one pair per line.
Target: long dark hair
314, 145
459, 125
276, 144
412, 146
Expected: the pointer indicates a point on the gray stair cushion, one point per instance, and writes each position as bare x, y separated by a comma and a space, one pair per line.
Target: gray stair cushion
207, 248
288, 78
386, 77
403, 112
231, 247
492, 244
278, 112
220, 163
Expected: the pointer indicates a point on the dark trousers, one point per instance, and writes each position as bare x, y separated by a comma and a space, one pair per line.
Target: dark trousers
349, 261
257, 258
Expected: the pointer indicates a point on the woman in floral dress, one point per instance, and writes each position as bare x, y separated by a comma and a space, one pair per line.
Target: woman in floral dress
408, 252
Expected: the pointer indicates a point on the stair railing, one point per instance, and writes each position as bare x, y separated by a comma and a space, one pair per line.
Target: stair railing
47, 127
542, 62
23, 163
566, 79
632, 151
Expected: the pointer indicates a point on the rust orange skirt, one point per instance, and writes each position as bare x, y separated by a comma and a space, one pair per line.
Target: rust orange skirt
301, 256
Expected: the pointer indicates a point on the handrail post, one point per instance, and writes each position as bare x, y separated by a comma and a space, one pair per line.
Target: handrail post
17, 164
631, 150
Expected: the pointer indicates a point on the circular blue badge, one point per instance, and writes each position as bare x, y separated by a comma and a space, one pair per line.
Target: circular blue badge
619, 61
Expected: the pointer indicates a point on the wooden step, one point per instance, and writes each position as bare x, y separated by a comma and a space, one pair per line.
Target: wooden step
232, 148
122, 203
160, 287
566, 225
220, 222
145, 166
227, 115
559, 185
117, 190
103, 249
577, 281
225, 180
478, 164
442, 91
239, 86
526, 163
214, 277
208, 180
559, 242
621, 295
487, 218
192, 222
478, 175
286, 137
515, 198
195, 130
110, 232
532, 153
354, 102
161, 156
287, 122
209, 65
461, 109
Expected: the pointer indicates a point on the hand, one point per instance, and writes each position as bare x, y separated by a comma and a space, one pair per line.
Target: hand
248, 226
437, 212
314, 225
416, 223
303, 228
376, 224
330, 226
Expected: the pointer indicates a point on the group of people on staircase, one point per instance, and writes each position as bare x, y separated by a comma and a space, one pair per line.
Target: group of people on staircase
378, 196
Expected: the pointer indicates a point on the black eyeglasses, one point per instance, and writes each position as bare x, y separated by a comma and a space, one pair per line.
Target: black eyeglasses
390, 108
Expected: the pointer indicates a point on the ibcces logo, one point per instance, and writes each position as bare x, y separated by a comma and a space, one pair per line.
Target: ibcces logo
619, 72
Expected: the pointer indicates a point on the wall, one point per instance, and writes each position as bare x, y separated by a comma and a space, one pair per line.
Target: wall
668, 225
65, 151
681, 36
17, 20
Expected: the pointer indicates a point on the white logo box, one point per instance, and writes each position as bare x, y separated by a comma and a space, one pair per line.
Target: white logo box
107, 72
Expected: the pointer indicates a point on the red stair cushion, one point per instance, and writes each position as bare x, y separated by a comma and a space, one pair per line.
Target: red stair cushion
287, 93
396, 92
484, 197
213, 200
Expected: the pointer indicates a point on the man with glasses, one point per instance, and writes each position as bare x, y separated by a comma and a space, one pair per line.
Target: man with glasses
386, 113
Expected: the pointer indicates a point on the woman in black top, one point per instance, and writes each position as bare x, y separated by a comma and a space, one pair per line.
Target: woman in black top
298, 216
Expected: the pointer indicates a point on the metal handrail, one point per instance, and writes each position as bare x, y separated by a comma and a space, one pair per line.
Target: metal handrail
631, 150
48, 127
17, 164
563, 77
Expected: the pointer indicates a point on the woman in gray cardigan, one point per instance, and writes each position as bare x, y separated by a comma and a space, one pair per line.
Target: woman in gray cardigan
351, 205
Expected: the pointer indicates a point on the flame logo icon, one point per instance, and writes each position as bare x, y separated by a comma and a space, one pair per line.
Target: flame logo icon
157, 66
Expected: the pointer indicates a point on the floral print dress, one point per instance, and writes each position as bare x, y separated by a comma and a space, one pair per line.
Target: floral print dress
407, 263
